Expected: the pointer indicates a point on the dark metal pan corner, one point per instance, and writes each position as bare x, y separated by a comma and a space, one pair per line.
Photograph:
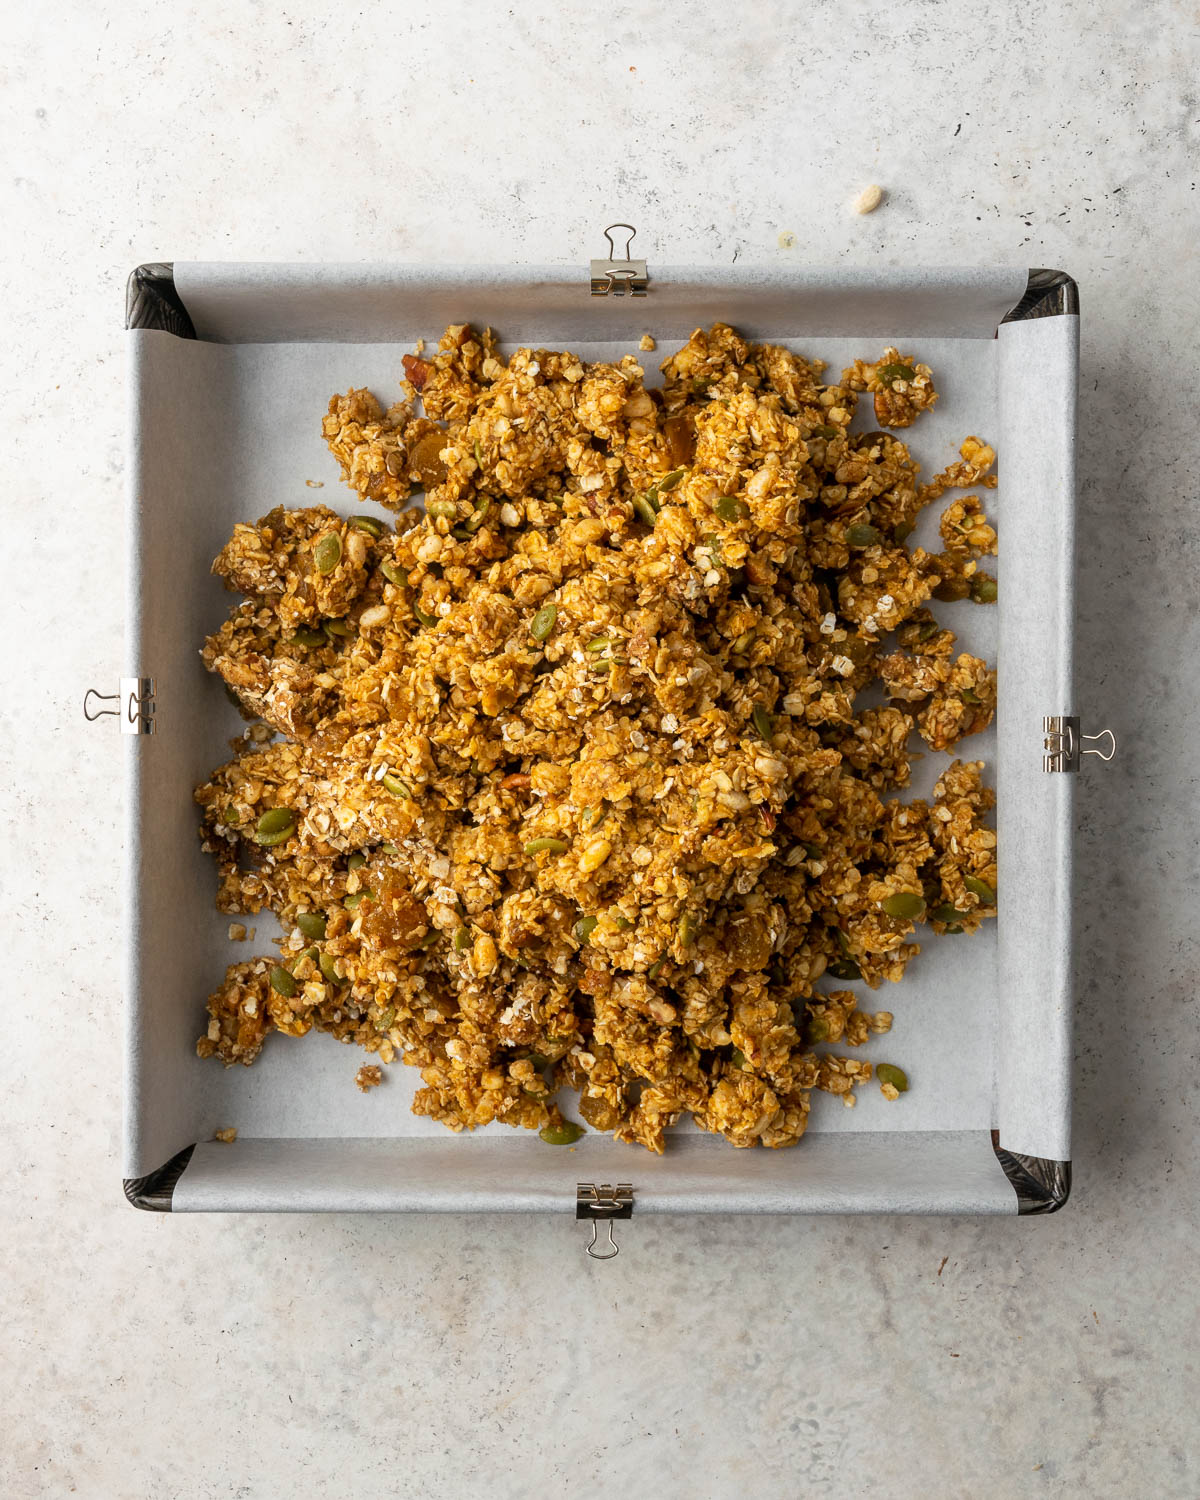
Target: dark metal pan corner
152, 301
154, 1191
1042, 1186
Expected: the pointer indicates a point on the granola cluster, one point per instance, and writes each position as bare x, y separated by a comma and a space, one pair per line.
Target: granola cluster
570, 785
902, 389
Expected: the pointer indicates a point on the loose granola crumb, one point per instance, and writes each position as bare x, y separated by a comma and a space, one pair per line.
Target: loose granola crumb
647, 343
228, 1134
237, 932
369, 1077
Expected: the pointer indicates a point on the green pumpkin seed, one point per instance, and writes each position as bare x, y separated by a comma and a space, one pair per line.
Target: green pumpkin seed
743, 642
230, 816
310, 639
844, 968
283, 983
388, 849
356, 898
623, 924
888, 373
685, 933
368, 524
863, 535
984, 588
644, 510
584, 928
601, 643
730, 508
275, 826
328, 553
396, 785
441, 510
763, 722
547, 846
311, 923
356, 861
474, 521
969, 695
949, 914
424, 616
387, 1019
336, 629
539, 1060
905, 906
543, 622
903, 531
980, 888
462, 939
479, 455
328, 968
737, 1058
655, 968
669, 481
393, 572
826, 432
565, 1134
818, 1029
889, 1073
928, 630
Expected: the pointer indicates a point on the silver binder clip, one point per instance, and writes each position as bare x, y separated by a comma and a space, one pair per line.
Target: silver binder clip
1066, 746
619, 273
133, 705
602, 1205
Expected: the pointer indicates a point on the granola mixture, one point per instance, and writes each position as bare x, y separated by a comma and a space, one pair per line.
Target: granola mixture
369, 1077
565, 780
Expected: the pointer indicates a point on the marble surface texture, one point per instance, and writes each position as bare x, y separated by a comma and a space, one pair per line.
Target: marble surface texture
152, 1356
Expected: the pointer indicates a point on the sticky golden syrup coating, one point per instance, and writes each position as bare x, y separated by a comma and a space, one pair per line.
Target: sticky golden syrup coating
572, 786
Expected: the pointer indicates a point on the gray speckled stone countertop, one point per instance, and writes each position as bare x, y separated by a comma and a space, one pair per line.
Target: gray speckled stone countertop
155, 1356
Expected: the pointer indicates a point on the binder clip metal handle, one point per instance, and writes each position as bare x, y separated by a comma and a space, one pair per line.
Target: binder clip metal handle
1104, 734
609, 1248
602, 1204
132, 705
1065, 744
619, 273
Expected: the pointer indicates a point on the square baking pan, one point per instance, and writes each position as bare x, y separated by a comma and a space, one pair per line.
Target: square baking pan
231, 369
